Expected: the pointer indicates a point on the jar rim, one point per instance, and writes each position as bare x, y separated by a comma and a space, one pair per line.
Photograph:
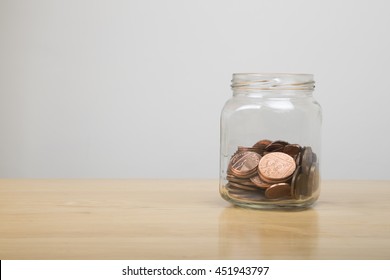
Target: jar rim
273, 81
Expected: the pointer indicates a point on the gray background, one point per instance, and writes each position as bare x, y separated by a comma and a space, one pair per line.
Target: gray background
121, 89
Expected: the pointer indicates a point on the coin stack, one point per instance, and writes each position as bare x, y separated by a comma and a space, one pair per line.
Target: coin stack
272, 170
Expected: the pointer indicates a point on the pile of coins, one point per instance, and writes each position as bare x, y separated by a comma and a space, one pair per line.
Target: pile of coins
272, 170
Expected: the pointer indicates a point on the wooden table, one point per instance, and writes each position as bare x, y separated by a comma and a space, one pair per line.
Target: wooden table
186, 219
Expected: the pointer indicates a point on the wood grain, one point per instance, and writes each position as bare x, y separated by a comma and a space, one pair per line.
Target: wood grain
186, 219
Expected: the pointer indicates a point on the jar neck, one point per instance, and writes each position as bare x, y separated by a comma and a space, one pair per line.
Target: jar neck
272, 85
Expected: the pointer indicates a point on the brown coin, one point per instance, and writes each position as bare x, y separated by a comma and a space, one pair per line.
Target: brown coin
241, 149
298, 158
242, 175
276, 166
292, 149
238, 192
274, 147
244, 164
264, 142
273, 181
307, 159
259, 182
242, 181
234, 189
279, 190
247, 196
294, 182
284, 143
242, 187
301, 186
261, 145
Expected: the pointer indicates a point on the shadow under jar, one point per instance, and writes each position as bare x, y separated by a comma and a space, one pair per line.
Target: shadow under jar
271, 141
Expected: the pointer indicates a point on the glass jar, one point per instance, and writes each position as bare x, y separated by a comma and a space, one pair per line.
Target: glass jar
271, 142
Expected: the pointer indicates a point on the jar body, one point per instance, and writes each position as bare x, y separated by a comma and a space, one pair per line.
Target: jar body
271, 142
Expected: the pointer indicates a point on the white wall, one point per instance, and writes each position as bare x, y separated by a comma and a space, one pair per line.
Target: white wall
135, 88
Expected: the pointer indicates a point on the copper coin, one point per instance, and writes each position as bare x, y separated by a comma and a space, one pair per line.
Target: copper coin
259, 182
247, 196
276, 166
264, 142
241, 149
242, 181
274, 147
284, 143
235, 191
242, 187
244, 164
258, 150
242, 175
279, 190
292, 149
261, 145
242, 194
272, 181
